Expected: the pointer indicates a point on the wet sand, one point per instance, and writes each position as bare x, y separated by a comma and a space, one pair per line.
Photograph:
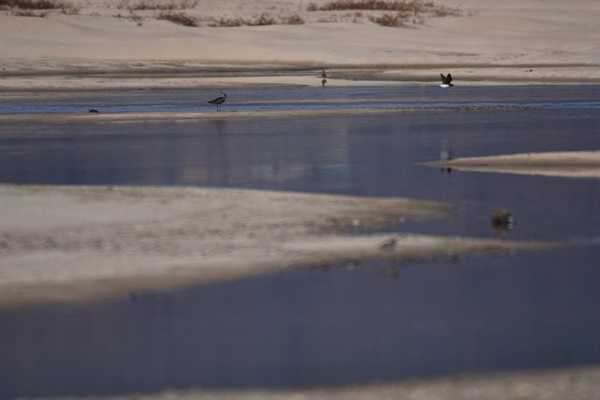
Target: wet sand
227, 114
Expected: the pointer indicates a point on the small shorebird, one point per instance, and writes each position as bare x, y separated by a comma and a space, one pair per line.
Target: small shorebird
446, 81
389, 244
323, 74
219, 100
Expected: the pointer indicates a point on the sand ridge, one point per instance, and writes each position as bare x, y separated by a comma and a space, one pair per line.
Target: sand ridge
231, 114
567, 164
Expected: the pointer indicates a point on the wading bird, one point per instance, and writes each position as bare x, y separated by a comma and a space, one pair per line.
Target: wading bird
219, 100
323, 74
446, 81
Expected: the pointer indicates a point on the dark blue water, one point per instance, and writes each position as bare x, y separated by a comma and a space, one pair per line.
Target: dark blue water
354, 323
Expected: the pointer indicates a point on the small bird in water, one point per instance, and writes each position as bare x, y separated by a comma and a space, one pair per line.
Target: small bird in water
323, 74
323, 82
446, 81
219, 100
502, 221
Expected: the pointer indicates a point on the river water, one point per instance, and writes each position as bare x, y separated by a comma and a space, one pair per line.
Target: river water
346, 324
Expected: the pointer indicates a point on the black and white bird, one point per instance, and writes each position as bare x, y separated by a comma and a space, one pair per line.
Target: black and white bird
502, 220
219, 100
446, 81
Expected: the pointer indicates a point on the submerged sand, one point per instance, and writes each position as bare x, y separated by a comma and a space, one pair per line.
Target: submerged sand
567, 164
228, 114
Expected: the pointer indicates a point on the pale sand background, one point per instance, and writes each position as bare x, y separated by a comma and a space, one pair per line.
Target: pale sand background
494, 42
194, 115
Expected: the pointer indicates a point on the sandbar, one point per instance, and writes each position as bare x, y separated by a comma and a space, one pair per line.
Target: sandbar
575, 383
73, 243
236, 114
567, 164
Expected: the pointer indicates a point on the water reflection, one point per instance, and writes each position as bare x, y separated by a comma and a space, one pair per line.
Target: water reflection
219, 126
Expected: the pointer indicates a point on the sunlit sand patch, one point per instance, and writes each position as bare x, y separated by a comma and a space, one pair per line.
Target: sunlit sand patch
569, 164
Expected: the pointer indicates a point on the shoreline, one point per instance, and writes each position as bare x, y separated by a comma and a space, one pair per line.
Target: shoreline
40, 77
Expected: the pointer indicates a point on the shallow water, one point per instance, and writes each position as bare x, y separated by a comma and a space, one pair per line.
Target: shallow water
257, 99
344, 324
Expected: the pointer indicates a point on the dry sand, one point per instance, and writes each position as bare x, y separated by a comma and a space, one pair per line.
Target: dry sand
105, 45
568, 164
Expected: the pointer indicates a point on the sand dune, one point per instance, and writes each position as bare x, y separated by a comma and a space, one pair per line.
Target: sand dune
508, 42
